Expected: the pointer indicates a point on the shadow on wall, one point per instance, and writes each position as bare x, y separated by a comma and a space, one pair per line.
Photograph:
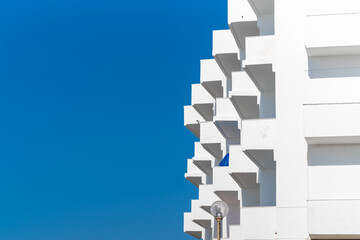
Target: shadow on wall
328, 155
334, 66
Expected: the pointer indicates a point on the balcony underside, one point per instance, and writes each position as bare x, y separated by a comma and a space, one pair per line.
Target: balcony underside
195, 234
246, 106
262, 76
229, 129
194, 179
214, 88
205, 110
214, 149
262, 158
194, 128
228, 63
240, 30
205, 223
228, 196
245, 179
204, 165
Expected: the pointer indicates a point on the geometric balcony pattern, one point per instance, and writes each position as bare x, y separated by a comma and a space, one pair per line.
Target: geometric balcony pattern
277, 115
226, 164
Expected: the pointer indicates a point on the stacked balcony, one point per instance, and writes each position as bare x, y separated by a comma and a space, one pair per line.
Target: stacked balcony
212, 77
194, 174
226, 52
337, 40
245, 96
331, 120
242, 21
233, 111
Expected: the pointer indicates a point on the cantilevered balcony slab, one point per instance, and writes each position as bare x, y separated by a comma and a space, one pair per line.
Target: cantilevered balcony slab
194, 174
332, 123
334, 219
200, 216
259, 60
242, 169
190, 227
245, 96
226, 52
224, 186
226, 119
207, 197
258, 141
258, 223
242, 21
202, 101
192, 119
339, 39
212, 77
212, 139
203, 159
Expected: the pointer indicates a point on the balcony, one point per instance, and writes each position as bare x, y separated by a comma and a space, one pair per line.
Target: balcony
258, 223
192, 119
227, 119
242, 21
334, 219
340, 38
212, 77
258, 141
191, 228
207, 197
194, 174
200, 216
224, 186
259, 60
332, 124
202, 101
226, 52
212, 139
245, 96
242, 169
203, 159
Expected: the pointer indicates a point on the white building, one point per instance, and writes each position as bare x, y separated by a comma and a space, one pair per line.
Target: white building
282, 97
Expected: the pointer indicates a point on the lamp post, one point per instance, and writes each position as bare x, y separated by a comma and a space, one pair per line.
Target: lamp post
219, 210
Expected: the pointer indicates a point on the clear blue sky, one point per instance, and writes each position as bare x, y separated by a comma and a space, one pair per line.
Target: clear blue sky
92, 142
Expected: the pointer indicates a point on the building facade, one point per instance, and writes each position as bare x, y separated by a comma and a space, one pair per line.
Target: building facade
282, 97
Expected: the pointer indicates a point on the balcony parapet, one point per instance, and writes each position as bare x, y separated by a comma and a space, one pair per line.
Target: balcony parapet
259, 61
334, 219
340, 39
332, 123
258, 223
226, 52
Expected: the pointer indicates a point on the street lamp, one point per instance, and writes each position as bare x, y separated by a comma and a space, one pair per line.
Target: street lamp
219, 210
